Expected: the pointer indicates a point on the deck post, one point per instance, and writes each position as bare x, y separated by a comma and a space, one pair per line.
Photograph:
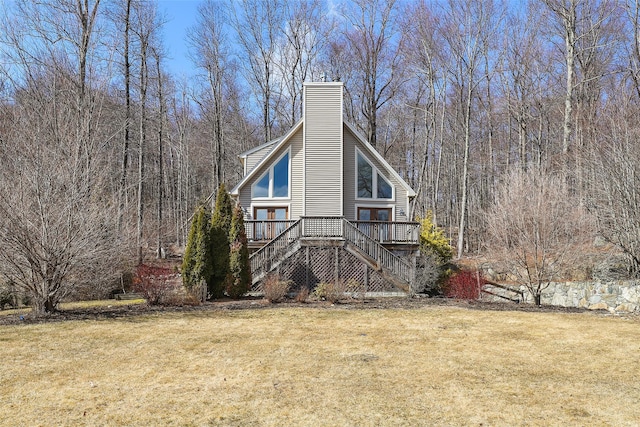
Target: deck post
337, 265
366, 277
308, 266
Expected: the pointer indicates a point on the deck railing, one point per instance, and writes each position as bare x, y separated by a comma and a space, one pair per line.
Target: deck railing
390, 231
380, 231
267, 229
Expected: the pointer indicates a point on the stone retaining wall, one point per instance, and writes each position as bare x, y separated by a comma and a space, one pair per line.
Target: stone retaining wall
615, 296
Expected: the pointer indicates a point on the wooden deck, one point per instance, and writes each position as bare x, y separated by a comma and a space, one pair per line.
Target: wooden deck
376, 244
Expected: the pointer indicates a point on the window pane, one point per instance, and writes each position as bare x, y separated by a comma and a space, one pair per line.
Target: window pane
281, 213
261, 188
281, 177
384, 188
364, 214
383, 214
261, 213
365, 178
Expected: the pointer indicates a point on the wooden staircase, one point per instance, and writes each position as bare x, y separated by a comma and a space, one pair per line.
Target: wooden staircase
334, 231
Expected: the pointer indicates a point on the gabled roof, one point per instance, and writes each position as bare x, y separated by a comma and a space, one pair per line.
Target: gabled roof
258, 148
277, 143
379, 158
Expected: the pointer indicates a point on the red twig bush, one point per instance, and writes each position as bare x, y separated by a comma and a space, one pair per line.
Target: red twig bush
465, 285
155, 284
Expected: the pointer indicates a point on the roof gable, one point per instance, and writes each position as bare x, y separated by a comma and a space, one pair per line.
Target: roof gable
374, 153
277, 144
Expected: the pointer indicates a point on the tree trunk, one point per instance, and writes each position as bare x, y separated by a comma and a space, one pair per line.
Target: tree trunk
127, 119
465, 169
537, 297
141, 160
160, 156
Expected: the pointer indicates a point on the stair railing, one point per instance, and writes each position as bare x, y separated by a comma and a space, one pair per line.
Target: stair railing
375, 250
262, 259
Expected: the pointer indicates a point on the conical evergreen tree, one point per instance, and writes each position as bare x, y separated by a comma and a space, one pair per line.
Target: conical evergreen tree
219, 243
239, 280
197, 262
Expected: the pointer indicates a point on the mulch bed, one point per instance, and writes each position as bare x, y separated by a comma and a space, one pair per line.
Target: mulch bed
134, 310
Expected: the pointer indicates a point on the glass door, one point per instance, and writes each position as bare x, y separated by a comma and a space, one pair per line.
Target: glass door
378, 227
271, 221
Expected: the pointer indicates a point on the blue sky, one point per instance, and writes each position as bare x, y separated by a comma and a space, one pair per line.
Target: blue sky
180, 15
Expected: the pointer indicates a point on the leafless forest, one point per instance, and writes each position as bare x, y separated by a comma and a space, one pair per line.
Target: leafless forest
105, 154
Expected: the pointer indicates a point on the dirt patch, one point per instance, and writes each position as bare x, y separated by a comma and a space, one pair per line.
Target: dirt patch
123, 311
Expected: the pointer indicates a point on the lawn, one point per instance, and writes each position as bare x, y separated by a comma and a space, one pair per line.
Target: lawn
324, 366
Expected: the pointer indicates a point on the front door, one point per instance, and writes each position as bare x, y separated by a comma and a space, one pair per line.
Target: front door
378, 229
271, 222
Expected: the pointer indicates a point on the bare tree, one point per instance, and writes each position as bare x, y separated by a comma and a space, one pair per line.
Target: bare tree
616, 197
536, 228
211, 53
125, 16
305, 38
427, 65
54, 235
373, 42
566, 14
258, 26
468, 30
162, 112
145, 28
57, 230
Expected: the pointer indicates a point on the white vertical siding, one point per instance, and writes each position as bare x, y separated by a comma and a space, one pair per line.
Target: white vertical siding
323, 149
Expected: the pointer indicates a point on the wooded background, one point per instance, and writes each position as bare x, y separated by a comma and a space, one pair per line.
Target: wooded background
100, 143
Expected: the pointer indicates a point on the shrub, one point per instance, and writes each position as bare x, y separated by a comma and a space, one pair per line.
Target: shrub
303, 294
434, 266
197, 261
219, 243
154, 283
433, 241
354, 288
428, 276
239, 281
6, 298
332, 291
275, 290
465, 285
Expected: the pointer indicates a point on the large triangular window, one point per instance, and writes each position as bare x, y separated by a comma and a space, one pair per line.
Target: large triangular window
274, 183
371, 184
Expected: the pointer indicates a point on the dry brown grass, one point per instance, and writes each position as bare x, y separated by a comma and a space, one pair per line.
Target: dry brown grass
314, 366
78, 305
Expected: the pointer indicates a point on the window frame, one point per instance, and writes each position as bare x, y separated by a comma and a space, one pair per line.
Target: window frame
374, 185
270, 173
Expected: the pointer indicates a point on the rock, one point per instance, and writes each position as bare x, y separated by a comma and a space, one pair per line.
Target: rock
626, 307
599, 306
